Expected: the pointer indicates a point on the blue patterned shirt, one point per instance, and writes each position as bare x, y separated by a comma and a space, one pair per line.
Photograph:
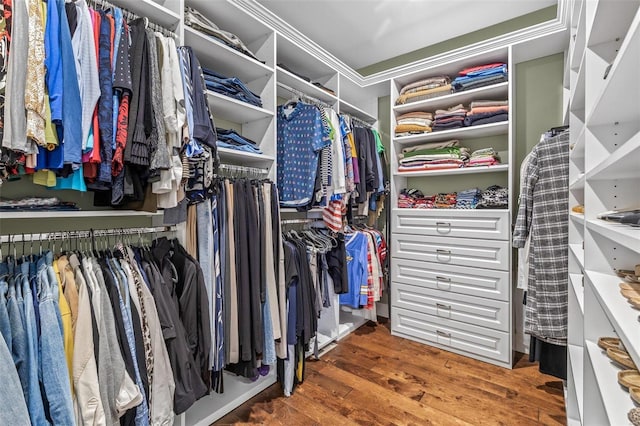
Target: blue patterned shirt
301, 136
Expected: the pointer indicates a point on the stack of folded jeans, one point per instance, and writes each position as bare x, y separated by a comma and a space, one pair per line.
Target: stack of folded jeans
232, 140
199, 22
230, 86
468, 199
485, 112
450, 118
480, 76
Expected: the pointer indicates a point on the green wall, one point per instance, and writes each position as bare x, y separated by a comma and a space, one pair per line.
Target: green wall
502, 28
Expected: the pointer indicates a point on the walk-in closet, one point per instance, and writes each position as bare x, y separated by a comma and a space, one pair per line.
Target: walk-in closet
319, 213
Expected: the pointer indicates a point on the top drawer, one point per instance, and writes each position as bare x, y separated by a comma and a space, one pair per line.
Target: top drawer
485, 224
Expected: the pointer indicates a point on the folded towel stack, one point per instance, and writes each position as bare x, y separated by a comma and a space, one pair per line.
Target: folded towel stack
485, 112
450, 118
480, 76
484, 157
469, 198
494, 197
413, 123
424, 89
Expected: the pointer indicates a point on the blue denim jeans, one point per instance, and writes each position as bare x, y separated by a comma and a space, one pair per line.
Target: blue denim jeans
55, 377
34, 398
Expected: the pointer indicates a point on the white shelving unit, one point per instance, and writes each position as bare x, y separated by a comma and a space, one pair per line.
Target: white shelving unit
603, 59
430, 302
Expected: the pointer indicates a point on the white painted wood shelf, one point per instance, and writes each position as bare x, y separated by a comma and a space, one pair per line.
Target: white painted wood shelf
458, 171
481, 131
576, 361
285, 77
578, 289
578, 252
625, 235
234, 110
249, 158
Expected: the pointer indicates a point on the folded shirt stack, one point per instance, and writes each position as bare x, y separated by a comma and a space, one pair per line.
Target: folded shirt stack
484, 157
468, 199
232, 140
494, 197
433, 159
485, 112
36, 204
414, 199
480, 76
413, 123
427, 88
199, 22
446, 200
230, 86
450, 118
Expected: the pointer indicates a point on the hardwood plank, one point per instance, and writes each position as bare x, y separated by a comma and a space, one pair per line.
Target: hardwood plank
374, 378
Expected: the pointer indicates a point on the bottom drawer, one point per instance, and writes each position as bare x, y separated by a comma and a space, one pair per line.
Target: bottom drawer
468, 338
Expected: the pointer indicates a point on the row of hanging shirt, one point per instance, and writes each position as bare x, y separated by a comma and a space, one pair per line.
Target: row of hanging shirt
120, 109
318, 265
120, 336
323, 159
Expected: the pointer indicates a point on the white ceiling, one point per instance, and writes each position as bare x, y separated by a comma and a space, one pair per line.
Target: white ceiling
364, 32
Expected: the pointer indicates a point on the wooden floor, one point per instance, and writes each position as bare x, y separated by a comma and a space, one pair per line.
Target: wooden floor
373, 378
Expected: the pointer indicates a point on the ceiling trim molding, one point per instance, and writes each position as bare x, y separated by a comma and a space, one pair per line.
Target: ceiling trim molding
284, 29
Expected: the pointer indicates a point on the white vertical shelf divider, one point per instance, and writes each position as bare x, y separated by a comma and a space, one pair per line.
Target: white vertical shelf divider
600, 141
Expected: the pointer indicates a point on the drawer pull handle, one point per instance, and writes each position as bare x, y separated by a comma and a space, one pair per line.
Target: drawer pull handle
442, 252
444, 231
443, 334
441, 306
443, 279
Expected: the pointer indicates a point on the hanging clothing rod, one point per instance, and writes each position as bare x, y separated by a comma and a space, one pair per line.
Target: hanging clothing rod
45, 236
243, 169
359, 121
304, 95
298, 221
103, 4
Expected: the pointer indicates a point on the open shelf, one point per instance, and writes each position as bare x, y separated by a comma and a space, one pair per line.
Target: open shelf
622, 83
577, 101
578, 183
621, 164
492, 129
616, 401
622, 316
625, 235
577, 218
157, 13
459, 171
295, 82
576, 283
74, 214
233, 110
248, 158
578, 252
237, 391
577, 153
354, 111
496, 92
223, 59
611, 20
349, 323
576, 357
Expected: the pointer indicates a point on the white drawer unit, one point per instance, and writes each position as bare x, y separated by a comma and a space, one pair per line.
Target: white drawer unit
487, 283
460, 337
485, 224
468, 309
469, 252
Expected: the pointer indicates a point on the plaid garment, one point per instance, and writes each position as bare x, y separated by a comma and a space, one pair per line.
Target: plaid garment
544, 202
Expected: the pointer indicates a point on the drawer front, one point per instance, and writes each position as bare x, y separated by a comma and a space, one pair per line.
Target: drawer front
459, 307
468, 338
490, 254
488, 283
486, 224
